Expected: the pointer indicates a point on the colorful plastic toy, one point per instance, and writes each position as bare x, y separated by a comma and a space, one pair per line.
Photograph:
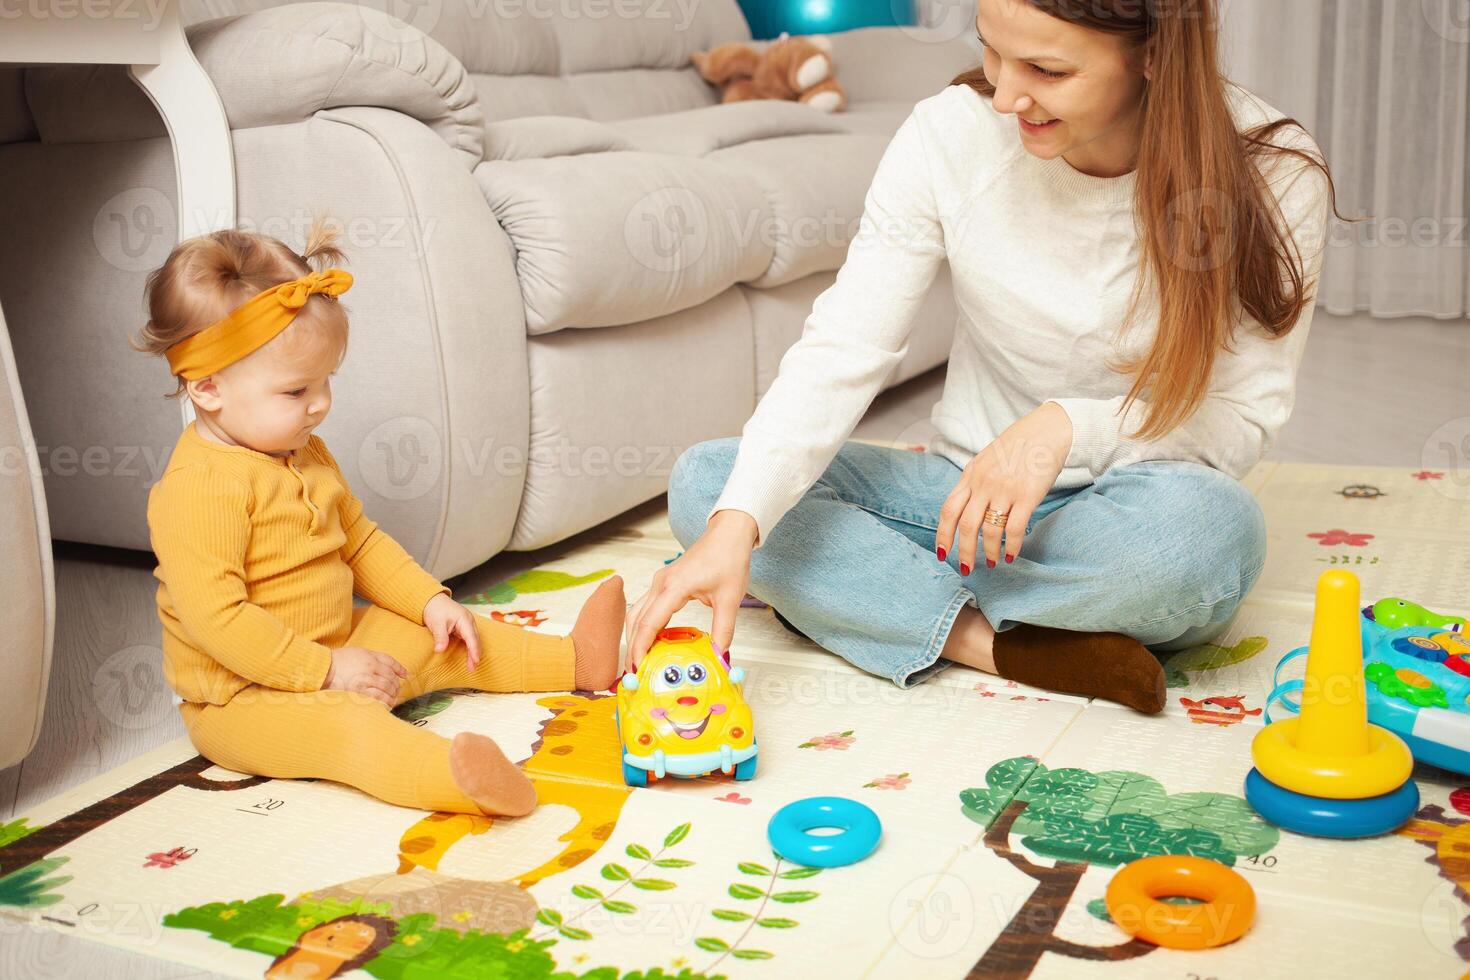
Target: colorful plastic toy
1417, 673
1318, 816
1330, 751
1228, 903
1395, 613
790, 831
683, 714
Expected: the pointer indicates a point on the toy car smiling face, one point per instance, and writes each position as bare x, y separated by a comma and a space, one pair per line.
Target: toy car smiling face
683, 703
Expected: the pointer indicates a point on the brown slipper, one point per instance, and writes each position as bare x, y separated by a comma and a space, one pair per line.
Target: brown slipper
1111, 666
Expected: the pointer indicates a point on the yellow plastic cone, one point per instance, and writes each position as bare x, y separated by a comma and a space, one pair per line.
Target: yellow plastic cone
1330, 750
1334, 715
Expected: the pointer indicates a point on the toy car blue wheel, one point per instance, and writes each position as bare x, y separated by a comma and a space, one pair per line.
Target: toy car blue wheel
746, 769
634, 776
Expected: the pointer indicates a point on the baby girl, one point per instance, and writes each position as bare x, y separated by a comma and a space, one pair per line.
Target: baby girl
261, 545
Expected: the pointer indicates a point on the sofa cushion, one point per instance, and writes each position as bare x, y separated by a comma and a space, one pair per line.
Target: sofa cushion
696, 132
814, 188
535, 137
610, 238
603, 59
612, 409
876, 116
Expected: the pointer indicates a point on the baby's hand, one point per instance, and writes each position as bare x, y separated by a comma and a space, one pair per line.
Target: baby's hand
443, 616
367, 672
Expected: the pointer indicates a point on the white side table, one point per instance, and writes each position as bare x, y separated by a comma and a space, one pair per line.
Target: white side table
109, 32
160, 61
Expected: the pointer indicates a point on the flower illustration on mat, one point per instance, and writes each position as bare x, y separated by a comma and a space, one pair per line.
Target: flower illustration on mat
892, 781
520, 617
1427, 475
1337, 536
733, 798
840, 741
168, 859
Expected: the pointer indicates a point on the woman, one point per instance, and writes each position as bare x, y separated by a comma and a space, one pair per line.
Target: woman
1134, 244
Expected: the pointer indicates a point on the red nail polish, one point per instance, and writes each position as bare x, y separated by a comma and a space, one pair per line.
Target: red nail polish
1010, 558
964, 568
941, 553
990, 563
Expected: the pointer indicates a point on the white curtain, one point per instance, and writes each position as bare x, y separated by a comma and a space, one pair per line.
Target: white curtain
1382, 85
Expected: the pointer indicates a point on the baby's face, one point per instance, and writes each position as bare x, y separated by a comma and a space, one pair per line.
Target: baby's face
271, 402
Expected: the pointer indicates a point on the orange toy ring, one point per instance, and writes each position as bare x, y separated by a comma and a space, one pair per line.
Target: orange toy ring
1229, 902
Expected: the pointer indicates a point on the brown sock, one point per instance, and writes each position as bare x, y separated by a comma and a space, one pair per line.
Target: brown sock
485, 775
598, 634
1100, 665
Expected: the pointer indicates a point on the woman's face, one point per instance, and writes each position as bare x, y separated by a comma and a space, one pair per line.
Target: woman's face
1083, 86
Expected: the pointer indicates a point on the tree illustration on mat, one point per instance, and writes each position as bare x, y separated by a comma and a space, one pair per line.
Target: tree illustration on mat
408, 947
1078, 818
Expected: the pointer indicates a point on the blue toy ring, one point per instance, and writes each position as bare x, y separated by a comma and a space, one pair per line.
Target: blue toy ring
789, 831
1317, 816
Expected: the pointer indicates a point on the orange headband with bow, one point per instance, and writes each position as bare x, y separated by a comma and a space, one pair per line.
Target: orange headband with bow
250, 325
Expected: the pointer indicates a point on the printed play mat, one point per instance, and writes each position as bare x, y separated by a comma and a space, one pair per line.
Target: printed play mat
1005, 812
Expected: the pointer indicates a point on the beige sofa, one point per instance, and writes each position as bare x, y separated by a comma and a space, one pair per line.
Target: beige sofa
571, 262
28, 615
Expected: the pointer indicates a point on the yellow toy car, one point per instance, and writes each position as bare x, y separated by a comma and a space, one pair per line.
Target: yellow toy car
683, 714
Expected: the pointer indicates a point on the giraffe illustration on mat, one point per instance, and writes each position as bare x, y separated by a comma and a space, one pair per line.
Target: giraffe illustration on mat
576, 761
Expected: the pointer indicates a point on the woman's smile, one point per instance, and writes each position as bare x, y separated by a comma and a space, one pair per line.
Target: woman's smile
1037, 129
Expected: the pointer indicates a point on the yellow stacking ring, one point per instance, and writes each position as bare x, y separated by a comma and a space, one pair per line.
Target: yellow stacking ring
1382, 769
1227, 910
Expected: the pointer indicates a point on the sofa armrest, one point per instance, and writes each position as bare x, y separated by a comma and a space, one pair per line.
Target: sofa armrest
886, 64
275, 66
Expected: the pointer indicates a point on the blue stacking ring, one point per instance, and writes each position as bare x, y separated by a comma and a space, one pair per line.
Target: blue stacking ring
790, 837
1317, 816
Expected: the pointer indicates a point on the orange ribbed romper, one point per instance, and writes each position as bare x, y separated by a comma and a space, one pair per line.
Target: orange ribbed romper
258, 560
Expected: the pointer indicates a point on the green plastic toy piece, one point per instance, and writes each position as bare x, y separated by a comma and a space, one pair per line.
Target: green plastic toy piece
1394, 613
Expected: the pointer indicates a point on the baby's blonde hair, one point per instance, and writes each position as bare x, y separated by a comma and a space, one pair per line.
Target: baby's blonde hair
206, 277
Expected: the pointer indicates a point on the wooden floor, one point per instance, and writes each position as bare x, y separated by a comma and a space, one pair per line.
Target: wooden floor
1370, 392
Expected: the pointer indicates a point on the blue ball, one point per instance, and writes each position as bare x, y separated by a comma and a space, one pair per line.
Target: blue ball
768, 18
1318, 816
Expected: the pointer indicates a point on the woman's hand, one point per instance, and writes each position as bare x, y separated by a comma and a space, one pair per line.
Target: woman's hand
1010, 476
715, 570
367, 672
444, 617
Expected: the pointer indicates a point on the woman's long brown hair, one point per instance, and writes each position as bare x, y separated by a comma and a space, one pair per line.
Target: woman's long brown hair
1192, 160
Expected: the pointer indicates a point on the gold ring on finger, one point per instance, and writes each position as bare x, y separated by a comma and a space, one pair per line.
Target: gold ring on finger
995, 517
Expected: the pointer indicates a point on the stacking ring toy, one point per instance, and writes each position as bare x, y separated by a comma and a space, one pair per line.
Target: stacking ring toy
1318, 816
1384, 768
1229, 902
789, 831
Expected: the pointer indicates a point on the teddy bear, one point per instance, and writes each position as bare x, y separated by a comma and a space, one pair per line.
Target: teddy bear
797, 68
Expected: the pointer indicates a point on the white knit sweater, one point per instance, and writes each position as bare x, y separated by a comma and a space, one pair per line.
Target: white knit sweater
1043, 260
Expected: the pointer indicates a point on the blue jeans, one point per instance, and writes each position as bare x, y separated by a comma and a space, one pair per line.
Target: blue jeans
1161, 550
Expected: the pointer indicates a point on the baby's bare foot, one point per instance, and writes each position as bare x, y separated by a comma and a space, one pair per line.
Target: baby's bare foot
486, 776
598, 634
